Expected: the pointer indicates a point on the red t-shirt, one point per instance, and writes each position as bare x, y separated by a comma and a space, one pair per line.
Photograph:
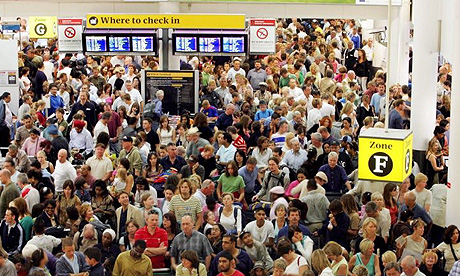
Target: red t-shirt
160, 236
236, 273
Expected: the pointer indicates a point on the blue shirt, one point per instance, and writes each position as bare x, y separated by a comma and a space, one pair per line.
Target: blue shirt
249, 178
55, 103
263, 114
224, 121
336, 178
419, 212
375, 102
210, 112
395, 120
284, 231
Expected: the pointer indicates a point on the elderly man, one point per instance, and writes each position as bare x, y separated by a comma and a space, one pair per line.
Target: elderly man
87, 107
19, 157
316, 143
197, 143
295, 157
132, 154
134, 261
409, 267
190, 239
419, 211
158, 108
244, 262
392, 269
225, 119
207, 189
80, 138
336, 175
156, 239
135, 95
28, 192
63, 171
101, 166
23, 132
9, 193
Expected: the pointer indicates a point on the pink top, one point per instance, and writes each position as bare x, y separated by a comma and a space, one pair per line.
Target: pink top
289, 189
32, 147
216, 210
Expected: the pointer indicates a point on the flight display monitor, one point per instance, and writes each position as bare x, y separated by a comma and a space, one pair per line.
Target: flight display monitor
96, 43
186, 44
234, 44
142, 43
119, 44
209, 44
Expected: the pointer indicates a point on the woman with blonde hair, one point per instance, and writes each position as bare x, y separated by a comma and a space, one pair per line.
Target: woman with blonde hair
435, 161
339, 265
45, 165
370, 232
320, 263
388, 257
429, 267
413, 244
366, 257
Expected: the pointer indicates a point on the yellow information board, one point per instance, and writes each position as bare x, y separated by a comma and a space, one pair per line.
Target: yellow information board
158, 21
385, 156
42, 26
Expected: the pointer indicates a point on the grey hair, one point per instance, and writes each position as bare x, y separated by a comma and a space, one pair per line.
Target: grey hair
394, 265
332, 154
160, 93
317, 136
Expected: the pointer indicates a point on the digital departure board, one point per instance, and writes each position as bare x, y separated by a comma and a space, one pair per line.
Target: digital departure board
142, 43
209, 44
186, 44
96, 44
119, 44
233, 44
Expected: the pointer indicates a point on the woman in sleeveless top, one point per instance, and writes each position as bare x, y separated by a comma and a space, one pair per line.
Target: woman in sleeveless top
339, 264
413, 244
367, 258
435, 162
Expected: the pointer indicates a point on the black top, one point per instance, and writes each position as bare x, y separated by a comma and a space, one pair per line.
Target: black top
437, 271
208, 164
206, 132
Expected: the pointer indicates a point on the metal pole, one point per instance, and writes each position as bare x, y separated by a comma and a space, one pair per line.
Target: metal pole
387, 93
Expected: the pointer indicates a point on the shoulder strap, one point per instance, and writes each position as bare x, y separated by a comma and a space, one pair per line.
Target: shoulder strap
453, 252
235, 213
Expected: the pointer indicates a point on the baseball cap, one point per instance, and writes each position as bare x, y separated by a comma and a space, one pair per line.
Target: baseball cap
321, 175
347, 139
127, 139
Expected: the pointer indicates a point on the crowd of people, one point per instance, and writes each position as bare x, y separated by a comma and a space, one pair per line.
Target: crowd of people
262, 180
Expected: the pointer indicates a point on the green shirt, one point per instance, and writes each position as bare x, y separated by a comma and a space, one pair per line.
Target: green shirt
27, 223
231, 184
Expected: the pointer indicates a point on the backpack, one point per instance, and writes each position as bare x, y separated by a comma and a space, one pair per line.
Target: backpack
235, 216
149, 110
281, 178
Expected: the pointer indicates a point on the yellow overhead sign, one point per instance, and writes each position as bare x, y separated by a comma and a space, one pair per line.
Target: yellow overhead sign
42, 26
385, 156
158, 21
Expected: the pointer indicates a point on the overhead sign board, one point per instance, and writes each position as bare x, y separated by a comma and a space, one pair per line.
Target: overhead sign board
159, 21
262, 36
42, 26
385, 156
378, 2
70, 34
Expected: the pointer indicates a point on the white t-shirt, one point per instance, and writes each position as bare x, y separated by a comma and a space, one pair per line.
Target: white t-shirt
296, 92
327, 110
314, 116
49, 68
423, 198
232, 73
293, 268
261, 234
135, 95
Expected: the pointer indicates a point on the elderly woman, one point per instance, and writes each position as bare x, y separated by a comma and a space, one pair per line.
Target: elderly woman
429, 267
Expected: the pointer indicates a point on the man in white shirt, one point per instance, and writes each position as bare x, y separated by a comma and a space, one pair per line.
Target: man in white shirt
118, 73
49, 68
369, 50
101, 125
80, 137
261, 229
63, 171
207, 189
227, 150
236, 69
28, 192
409, 267
135, 95
314, 115
327, 109
294, 91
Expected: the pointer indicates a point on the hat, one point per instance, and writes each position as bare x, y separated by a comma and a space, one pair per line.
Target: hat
53, 130
111, 232
28, 250
237, 58
79, 123
259, 264
262, 83
347, 139
192, 158
119, 69
335, 143
321, 175
193, 130
277, 190
127, 139
244, 233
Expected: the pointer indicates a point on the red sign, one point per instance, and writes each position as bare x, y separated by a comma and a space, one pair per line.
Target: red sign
262, 33
263, 22
69, 32
70, 21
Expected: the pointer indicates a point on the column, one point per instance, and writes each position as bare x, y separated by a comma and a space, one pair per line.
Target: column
167, 60
403, 45
452, 214
423, 110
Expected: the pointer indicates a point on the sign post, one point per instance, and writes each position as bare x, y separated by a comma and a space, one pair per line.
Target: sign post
42, 26
385, 156
262, 36
70, 35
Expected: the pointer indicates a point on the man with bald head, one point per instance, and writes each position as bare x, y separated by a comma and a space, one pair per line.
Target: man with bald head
63, 171
189, 239
409, 267
225, 119
419, 211
10, 191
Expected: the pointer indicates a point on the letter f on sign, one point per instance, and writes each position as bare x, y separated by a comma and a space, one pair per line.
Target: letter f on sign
380, 163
